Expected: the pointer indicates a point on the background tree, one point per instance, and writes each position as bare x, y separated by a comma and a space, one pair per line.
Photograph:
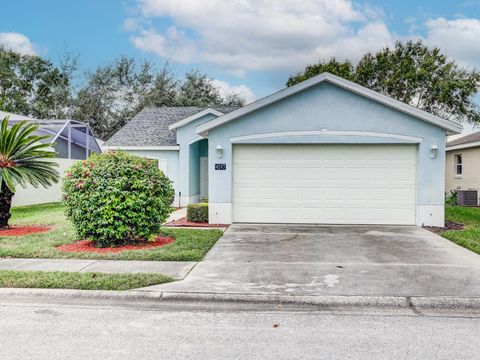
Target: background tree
164, 89
23, 160
343, 69
32, 86
198, 90
114, 93
107, 97
413, 73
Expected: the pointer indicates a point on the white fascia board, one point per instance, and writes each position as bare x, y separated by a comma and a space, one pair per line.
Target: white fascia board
122, 147
463, 146
450, 126
194, 117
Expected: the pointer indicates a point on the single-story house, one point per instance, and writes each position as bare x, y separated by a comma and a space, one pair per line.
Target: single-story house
462, 171
71, 140
322, 151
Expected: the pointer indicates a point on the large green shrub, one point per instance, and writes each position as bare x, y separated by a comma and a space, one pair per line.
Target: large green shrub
197, 212
116, 198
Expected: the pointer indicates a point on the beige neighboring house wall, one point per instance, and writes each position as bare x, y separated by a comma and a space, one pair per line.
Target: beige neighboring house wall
469, 148
470, 178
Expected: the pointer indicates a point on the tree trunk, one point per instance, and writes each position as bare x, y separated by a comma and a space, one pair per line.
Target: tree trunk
5, 204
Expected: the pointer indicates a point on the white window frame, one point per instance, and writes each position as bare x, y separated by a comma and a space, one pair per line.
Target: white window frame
458, 164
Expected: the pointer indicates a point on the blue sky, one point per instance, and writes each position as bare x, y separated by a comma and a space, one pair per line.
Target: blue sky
249, 46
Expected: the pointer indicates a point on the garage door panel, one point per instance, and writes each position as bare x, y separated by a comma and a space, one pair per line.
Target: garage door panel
357, 194
313, 194
334, 194
351, 184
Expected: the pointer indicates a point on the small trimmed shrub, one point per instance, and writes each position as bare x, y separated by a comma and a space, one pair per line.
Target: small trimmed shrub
451, 199
116, 198
197, 212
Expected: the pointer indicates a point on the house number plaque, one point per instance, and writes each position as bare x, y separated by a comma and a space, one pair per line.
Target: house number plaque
220, 166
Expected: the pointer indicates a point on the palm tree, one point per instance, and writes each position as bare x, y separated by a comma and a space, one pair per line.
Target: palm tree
22, 161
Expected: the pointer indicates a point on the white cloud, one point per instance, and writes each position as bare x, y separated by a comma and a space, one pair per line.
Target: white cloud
172, 45
226, 89
130, 24
17, 42
241, 35
459, 38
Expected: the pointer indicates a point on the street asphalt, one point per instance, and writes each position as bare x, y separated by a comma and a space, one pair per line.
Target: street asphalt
92, 331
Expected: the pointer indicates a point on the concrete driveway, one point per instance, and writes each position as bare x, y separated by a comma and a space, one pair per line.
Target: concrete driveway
334, 260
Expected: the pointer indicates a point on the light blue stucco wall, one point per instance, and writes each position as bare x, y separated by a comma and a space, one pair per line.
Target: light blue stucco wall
203, 148
172, 157
191, 148
327, 106
197, 149
194, 169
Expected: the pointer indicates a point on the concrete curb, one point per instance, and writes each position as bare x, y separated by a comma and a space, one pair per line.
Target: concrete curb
417, 304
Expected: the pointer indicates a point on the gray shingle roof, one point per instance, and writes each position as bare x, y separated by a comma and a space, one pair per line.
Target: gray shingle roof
150, 126
475, 137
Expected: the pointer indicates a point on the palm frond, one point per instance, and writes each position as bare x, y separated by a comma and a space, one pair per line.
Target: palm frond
24, 157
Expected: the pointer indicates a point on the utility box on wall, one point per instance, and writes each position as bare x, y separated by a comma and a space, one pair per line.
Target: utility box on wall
467, 197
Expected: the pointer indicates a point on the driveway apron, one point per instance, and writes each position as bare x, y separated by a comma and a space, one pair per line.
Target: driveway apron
333, 260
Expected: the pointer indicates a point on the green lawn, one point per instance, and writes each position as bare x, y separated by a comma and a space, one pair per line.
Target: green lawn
470, 236
83, 281
189, 244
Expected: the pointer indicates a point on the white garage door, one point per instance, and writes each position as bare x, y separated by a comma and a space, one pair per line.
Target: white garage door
332, 184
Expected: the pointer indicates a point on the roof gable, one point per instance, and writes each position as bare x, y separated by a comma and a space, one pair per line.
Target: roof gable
449, 126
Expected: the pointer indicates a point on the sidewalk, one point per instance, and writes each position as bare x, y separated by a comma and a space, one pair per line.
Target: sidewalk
177, 215
175, 269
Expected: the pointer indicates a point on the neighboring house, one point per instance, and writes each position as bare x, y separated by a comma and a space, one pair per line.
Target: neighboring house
463, 163
323, 151
72, 140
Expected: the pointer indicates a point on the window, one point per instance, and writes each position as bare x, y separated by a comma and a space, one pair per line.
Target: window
458, 165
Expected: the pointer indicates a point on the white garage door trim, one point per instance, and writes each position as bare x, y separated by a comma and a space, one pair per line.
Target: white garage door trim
331, 184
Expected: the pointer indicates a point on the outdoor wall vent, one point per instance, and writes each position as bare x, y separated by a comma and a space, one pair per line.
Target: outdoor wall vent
467, 197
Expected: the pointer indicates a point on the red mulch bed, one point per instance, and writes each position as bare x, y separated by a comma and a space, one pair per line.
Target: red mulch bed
183, 222
449, 225
88, 246
23, 230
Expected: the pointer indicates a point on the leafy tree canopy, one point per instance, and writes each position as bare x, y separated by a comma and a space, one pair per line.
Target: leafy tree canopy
114, 93
32, 86
413, 73
105, 98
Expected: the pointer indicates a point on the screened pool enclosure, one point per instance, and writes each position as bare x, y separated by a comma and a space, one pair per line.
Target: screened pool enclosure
71, 139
